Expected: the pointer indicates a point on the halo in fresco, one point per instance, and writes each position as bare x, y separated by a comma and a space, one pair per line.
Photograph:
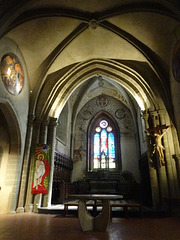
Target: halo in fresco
12, 74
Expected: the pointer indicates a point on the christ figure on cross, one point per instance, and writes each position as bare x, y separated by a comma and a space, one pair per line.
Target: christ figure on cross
158, 144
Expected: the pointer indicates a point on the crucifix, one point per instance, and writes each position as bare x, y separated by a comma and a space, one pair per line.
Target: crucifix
158, 147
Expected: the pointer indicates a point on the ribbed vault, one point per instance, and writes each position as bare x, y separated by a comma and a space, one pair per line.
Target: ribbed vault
58, 88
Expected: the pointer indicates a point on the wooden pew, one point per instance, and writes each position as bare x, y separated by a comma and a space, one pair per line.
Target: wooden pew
125, 205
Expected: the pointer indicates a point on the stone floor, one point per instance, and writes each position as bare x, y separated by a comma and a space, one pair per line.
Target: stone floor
56, 227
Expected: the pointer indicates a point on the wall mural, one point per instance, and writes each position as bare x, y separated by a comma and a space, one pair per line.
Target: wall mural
12, 74
121, 113
41, 171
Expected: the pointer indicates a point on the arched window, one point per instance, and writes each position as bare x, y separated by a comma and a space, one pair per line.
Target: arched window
104, 152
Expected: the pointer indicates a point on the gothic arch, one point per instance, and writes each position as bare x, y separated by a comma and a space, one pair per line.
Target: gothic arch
13, 127
98, 117
11, 157
58, 87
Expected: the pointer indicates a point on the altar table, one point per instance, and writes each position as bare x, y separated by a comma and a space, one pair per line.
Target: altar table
100, 222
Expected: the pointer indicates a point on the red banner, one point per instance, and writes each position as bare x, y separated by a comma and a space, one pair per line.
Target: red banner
41, 171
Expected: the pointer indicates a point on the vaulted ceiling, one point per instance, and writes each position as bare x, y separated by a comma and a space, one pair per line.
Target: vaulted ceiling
55, 37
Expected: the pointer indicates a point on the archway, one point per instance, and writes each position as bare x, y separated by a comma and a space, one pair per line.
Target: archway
150, 100
10, 166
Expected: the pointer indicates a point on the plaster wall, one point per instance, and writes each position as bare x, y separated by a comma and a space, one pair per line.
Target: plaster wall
4, 150
139, 23
63, 132
128, 139
141, 131
19, 103
98, 43
175, 83
129, 155
16, 117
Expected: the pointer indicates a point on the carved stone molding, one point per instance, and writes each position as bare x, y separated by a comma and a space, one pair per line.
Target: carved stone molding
93, 23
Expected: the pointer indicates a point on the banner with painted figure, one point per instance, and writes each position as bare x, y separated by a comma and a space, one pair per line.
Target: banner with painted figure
41, 171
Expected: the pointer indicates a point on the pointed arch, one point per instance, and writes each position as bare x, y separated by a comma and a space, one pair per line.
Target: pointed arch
11, 156
58, 88
103, 143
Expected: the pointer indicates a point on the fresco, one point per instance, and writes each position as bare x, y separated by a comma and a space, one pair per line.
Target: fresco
12, 74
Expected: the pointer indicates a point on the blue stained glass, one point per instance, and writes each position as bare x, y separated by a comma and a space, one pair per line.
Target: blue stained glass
111, 145
96, 145
104, 141
104, 148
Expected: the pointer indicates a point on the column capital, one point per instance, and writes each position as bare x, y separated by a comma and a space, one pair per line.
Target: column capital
161, 111
155, 118
162, 115
45, 122
31, 118
53, 121
145, 115
154, 113
37, 121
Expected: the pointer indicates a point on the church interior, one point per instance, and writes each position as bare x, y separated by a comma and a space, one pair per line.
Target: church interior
89, 103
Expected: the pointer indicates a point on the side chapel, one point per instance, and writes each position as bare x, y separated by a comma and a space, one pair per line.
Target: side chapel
89, 101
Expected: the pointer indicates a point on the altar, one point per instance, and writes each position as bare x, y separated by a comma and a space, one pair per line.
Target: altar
97, 223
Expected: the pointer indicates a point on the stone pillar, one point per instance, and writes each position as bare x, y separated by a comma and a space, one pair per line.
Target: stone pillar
170, 167
31, 198
51, 141
43, 132
155, 118
152, 170
25, 170
38, 199
177, 162
161, 171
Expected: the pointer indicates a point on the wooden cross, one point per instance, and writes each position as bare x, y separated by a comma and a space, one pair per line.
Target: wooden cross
157, 128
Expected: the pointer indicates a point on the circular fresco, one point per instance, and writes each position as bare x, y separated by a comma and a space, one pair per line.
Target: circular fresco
102, 101
12, 74
120, 113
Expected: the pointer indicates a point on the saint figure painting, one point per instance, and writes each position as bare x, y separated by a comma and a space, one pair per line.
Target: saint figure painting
41, 171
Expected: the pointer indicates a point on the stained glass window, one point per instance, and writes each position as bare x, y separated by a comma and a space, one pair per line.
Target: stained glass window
104, 146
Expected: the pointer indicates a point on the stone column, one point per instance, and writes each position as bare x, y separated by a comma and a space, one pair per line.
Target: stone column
43, 132
38, 199
25, 169
152, 170
161, 171
177, 162
170, 165
155, 118
31, 198
51, 140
